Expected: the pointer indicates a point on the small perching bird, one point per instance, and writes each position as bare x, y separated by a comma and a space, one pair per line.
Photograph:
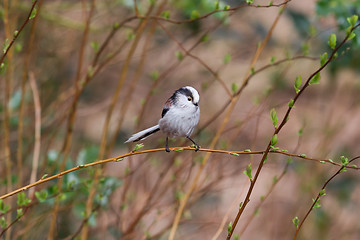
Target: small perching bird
180, 115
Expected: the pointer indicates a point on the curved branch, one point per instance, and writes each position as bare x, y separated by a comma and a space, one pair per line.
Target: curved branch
175, 149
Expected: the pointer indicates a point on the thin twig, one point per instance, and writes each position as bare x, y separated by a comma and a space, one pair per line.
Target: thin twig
18, 32
315, 201
277, 130
36, 155
175, 149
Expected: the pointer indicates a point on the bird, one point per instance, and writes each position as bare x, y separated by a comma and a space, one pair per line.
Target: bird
179, 117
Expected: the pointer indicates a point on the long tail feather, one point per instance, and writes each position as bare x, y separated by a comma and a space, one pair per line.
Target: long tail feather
143, 134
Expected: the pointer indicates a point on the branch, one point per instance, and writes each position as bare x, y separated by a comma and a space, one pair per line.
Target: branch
18, 32
277, 130
175, 149
321, 192
213, 12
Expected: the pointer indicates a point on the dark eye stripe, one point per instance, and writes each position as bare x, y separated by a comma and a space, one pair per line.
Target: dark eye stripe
186, 92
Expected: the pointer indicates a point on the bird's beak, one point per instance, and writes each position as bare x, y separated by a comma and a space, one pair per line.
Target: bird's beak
196, 104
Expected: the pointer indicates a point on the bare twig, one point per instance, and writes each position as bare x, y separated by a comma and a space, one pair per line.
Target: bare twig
36, 154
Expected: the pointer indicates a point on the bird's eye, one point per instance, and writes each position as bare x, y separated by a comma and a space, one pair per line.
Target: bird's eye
189, 99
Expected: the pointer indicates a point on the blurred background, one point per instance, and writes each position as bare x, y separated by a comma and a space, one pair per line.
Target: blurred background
82, 76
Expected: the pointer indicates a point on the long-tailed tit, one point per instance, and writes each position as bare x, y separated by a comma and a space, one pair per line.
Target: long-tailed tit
179, 117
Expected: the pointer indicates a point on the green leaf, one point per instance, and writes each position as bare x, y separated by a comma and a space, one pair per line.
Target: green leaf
300, 132
91, 71
296, 221
247, 150
305, 48
352, 20
247, 172
322, 192
344, 161
95, 46
229, 228
274, 140
226, 7
351, 36
217, 5
227, 58
291, 103
165, 14
179, 150
303, 155
41, 196
235, 154
252, 70
22, 200
33, 13
3, 207
315, 79
317, 203
323, 58
130, 34
116, 25
234, 87
18, 47
154, 75
332, 41
3, 223
205, 38
6, 45
19, 213
297, 83
275, 179
272, 60
274, 117
179, 55
194, 14
137, 147
249, 1
312, 30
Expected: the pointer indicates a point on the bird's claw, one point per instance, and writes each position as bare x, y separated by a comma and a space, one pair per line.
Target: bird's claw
197, 147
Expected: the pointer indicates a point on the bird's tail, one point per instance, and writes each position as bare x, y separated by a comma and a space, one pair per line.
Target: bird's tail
143, 134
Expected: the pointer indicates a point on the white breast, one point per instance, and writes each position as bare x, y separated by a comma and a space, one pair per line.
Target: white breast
180, 122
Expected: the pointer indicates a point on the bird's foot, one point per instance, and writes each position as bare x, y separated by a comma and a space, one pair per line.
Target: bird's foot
167, 149
197, 147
